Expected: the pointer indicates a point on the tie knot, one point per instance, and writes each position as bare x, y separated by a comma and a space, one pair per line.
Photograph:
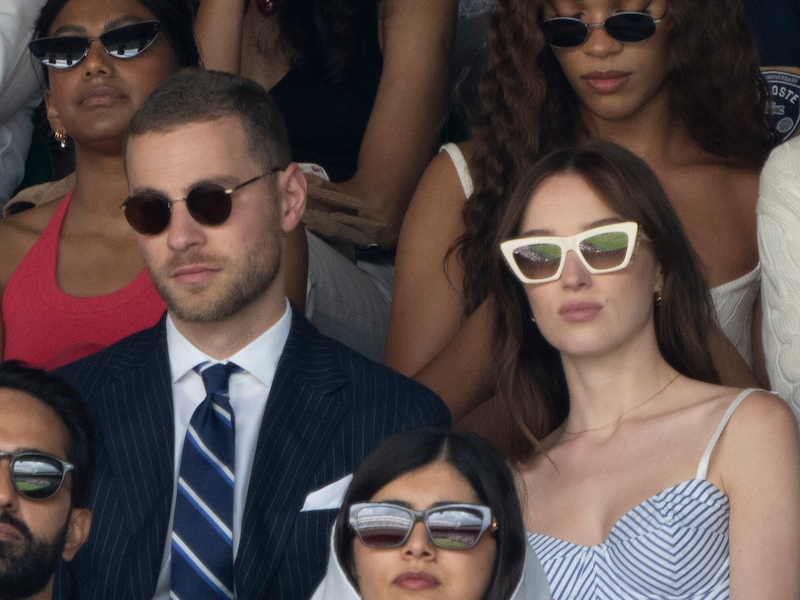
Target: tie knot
215, 377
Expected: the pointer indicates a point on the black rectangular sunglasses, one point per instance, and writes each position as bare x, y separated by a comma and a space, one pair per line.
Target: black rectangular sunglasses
66, 51
36, 475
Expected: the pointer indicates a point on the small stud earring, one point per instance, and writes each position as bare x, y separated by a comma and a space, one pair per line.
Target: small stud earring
61, 138
657, 298
533, 319
268, 7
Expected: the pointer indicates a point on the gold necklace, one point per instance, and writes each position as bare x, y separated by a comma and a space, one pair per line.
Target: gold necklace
619, 418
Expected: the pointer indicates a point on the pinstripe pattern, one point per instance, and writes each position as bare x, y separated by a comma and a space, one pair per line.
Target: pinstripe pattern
673, 545
328, 408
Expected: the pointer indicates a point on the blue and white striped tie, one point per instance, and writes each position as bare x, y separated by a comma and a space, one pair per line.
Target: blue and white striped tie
202, 532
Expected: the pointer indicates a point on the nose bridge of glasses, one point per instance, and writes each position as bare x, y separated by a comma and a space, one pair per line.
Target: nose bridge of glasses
419, 536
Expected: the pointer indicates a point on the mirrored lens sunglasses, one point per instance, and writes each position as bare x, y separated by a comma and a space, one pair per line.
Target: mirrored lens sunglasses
566, 32
36, 475
209, 204
601, 250
450, 526
128, 41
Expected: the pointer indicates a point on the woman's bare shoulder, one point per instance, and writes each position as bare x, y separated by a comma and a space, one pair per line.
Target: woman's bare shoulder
18, 233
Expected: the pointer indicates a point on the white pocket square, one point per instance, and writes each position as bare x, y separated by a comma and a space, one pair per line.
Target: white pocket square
329, 497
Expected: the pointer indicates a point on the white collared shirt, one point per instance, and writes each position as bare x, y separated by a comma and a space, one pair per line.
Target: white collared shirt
248, 392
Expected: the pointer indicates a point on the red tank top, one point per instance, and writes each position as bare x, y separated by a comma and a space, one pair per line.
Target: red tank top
47, 328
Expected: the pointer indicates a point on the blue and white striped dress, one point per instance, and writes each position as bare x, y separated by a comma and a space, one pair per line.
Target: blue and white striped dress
673, 545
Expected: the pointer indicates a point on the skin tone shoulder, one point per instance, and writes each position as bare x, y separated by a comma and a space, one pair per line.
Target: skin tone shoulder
623, 97
633, 428
416, 39
418, 568
93, 103
31, 530
224, 285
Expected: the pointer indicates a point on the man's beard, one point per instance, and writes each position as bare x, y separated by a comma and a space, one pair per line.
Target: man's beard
244, 286
26, 567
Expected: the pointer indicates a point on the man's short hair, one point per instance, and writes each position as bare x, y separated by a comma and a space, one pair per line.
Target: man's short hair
67, 404
198, 96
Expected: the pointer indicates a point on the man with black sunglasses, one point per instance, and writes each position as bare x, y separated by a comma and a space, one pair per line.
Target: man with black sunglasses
229, 430
46, 465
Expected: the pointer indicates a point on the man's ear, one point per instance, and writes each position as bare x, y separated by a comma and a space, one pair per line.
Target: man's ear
80, 520
52, 113
292, 188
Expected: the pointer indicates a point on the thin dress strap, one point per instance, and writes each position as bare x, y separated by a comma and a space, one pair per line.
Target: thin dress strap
460, 163
702, 469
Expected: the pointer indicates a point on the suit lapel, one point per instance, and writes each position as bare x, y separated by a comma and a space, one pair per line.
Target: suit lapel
302, 414
134, 411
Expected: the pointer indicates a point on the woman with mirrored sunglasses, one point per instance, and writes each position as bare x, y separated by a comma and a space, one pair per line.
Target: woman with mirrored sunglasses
71, 276
675, 81
638, 470
432, 514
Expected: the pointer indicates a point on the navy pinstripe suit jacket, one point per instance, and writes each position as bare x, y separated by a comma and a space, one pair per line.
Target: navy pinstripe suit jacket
327, 409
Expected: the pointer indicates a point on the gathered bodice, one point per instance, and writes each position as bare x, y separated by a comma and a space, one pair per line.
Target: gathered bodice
673, 545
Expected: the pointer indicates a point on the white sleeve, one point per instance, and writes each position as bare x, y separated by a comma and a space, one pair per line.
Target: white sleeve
20, 90
778, 212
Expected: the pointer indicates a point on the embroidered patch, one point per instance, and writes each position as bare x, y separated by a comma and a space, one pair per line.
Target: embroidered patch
784, 107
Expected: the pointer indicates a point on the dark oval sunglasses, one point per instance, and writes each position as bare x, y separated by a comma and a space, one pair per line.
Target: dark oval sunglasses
450, 526
566, 32
36, 475
63, 52
209, 204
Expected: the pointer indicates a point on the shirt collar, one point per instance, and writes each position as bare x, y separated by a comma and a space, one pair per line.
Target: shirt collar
259, 358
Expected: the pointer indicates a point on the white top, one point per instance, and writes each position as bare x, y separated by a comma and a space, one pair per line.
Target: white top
248, 397
336, 586
779, 248
20, 90
733, 300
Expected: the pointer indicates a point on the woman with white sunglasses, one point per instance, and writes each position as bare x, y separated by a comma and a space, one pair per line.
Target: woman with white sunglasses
643, 478
675, 81
432, 514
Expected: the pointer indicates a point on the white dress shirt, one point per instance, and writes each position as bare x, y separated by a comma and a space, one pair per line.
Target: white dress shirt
248, 392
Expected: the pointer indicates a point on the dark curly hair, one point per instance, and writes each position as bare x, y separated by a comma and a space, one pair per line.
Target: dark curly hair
529, 109
531, 382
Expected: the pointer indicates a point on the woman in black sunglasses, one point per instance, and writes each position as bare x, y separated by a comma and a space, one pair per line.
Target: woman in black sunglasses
642, 478
71, 276
469, 544
675, 81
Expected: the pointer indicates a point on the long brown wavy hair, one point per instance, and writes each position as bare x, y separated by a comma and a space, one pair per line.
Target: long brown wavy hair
529, 109
531, 383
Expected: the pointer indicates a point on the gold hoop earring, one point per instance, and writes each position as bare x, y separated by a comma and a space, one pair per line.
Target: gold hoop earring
657, 298
61, 138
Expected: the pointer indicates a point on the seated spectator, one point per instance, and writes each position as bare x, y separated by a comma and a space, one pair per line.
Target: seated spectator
233, 409
71, 277
469, 544
363, 88
19, 91
47, 453
779, 247
676, 82
634, 463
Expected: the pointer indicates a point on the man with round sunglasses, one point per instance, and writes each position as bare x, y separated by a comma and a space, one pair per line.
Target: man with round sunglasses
230, 426
46, 466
